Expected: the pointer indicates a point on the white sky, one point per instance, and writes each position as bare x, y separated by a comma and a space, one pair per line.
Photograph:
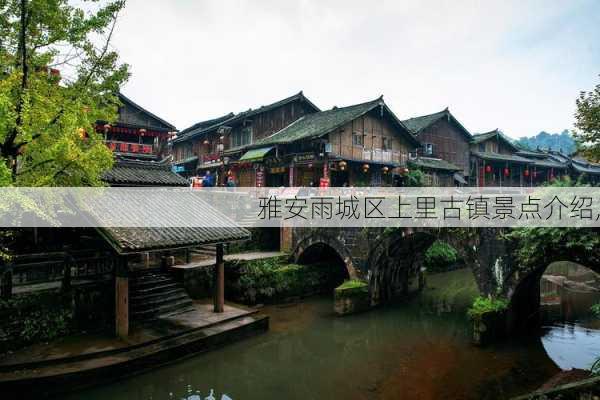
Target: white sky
513, 65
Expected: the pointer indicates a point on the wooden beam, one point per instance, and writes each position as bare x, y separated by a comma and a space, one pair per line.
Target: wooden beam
219, 283
122, 297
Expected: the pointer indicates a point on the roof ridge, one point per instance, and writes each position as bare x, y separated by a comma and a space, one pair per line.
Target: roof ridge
134, 104
427, 115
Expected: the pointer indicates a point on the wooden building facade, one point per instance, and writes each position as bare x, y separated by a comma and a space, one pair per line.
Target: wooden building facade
444, 154
212, 145
359, 145
137, 133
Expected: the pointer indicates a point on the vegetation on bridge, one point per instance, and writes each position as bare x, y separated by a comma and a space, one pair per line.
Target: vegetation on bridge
483, 305
440, 257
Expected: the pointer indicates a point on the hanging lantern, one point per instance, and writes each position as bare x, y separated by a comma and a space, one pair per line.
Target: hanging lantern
385, 170
310, 165
526, 172
365, 167
506, 172
405, 171
342, 164
488, 169
206, 142
221, 138
107, 127
142, 132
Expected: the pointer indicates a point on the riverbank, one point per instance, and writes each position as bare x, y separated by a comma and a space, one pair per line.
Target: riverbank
85, 360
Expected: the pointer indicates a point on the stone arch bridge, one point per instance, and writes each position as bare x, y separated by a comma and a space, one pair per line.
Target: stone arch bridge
386, 258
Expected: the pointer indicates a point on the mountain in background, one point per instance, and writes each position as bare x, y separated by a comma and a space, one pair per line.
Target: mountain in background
545, 140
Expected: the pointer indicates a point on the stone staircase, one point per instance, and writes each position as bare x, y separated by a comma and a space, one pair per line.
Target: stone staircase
155, 294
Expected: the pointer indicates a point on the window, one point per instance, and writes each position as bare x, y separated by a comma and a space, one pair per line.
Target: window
241, 138
482, 147
428, 149
358, 139
386, 143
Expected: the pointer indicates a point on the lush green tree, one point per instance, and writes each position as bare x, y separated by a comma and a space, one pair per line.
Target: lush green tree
58, 76
587, 123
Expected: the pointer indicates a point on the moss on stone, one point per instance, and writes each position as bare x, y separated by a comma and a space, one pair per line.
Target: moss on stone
353, 286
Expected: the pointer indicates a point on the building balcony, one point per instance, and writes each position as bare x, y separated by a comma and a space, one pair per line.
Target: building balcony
132, 148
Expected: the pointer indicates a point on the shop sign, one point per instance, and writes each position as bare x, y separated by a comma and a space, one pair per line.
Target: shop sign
277, 170
304, 157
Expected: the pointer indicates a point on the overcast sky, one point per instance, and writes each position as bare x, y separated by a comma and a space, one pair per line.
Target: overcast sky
513, 65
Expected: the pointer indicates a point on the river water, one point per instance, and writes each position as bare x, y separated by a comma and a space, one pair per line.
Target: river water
402, 351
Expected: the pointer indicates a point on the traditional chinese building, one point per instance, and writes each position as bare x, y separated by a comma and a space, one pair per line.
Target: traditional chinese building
495, 162
137, 133
216, 145
358, 145
445, 148
544, 167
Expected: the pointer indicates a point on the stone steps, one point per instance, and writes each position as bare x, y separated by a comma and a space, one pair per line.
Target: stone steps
155, 294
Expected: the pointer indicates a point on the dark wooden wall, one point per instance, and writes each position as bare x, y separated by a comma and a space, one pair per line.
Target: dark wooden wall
449, 143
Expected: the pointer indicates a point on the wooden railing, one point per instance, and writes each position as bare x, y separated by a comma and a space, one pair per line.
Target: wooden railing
66, 266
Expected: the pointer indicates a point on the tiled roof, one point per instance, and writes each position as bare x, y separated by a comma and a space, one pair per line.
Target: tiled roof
549, 163
316, 125
418, 124
482, 137
194, 132
135, 240
585, 167
205, 124
434, 163
215, 226
142, 173
502, 157
125, 99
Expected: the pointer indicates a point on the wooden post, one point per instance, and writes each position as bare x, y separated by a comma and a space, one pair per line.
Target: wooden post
68, 261
219, 286
122, 297
6, 283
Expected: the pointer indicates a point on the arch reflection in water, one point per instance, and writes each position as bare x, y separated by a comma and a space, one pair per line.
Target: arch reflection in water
570, 331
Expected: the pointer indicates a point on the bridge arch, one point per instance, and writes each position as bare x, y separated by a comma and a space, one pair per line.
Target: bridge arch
524, 294
329, 243
396, 257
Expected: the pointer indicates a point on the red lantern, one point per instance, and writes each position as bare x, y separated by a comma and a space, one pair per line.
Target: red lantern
488, 169
506, 172
526, 172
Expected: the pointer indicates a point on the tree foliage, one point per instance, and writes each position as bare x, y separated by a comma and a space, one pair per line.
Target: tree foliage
58, 77
587, 118
544, 140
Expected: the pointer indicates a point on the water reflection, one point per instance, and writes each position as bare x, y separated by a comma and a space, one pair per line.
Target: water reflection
390, 353
570, 334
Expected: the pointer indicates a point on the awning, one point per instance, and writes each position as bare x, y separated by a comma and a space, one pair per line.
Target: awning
210, 165
187, 160
256, 154
458, 178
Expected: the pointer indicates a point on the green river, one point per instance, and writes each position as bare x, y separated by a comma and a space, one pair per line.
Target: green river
402, 351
